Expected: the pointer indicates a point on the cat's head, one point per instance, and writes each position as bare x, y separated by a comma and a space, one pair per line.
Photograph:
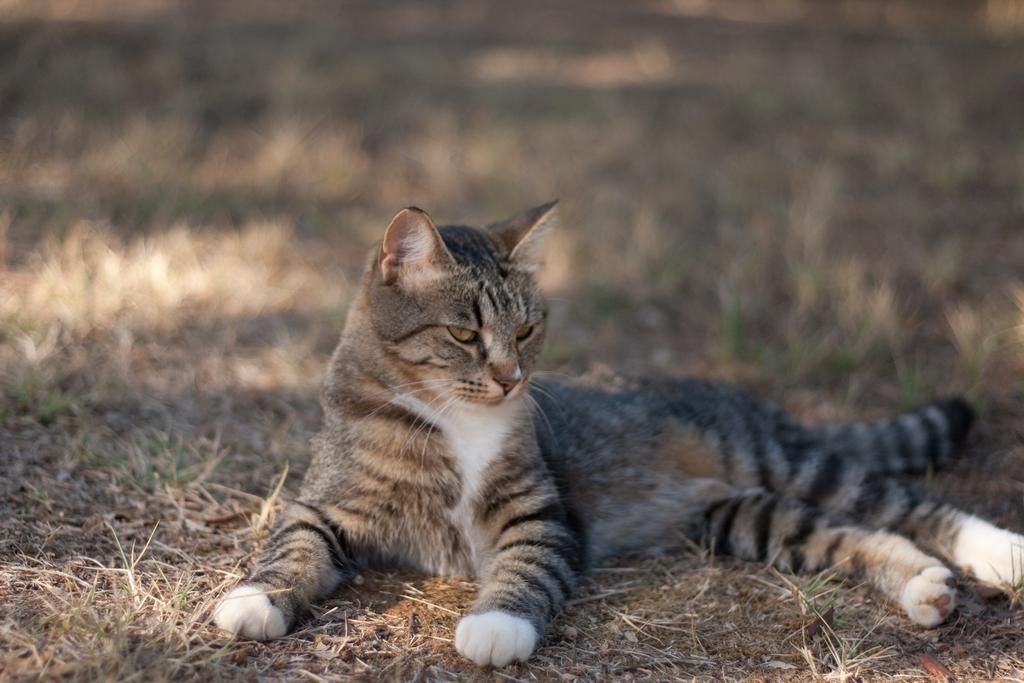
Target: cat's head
457, 310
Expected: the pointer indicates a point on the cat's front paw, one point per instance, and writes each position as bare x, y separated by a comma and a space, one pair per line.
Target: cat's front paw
248, 613
495, 638
929, 597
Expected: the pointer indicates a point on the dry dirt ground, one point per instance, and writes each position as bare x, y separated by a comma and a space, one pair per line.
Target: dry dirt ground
821, 202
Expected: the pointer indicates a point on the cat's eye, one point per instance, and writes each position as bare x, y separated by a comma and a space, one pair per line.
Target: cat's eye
523, 331
462, 334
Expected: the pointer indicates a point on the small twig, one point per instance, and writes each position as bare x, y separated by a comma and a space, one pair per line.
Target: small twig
601, 596
420, 600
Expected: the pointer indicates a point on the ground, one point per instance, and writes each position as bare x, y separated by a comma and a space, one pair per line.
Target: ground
821, 202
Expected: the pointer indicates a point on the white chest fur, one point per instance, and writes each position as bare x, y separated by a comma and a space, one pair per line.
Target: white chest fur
477, 435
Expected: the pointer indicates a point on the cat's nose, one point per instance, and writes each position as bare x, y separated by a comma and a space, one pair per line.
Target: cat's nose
508, 381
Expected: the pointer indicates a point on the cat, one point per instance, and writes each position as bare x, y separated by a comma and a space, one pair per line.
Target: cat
440, 451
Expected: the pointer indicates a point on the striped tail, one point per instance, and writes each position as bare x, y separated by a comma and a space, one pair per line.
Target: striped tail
910, 443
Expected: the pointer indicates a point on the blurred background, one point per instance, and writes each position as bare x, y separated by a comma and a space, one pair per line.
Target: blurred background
821, 201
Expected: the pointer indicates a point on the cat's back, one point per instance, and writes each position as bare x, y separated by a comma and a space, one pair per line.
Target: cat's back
611, 433
598, 407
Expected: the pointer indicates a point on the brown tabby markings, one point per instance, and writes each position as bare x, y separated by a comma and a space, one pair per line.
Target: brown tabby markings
690, 454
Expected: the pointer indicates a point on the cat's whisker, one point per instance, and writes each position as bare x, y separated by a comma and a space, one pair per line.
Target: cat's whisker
407, 394
440, 416
555, 401
423, 422
395, 389
542, 390
553, 373
418, 423
534, 404
432, 421
436, 380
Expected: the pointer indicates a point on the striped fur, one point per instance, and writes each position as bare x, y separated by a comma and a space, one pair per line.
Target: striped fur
909, 443
425, 460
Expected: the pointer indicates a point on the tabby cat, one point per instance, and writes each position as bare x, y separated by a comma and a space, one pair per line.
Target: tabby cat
440, 452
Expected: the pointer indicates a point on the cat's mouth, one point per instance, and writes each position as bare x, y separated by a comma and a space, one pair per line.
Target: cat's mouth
493, 395
492, 400
515, 392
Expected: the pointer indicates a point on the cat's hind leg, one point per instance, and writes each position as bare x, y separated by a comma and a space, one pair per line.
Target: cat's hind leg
980, 548
836, 475
306, 558
762, 526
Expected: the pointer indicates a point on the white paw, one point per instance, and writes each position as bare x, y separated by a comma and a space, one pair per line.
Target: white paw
988, 553
247, 612
929, 597
495, 638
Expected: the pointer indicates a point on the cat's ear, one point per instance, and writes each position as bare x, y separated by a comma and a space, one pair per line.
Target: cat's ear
523, 234
413, 251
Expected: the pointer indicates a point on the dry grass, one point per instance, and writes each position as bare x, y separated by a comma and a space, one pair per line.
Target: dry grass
821, 202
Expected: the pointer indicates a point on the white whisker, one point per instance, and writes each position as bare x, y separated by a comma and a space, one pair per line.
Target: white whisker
540, 410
